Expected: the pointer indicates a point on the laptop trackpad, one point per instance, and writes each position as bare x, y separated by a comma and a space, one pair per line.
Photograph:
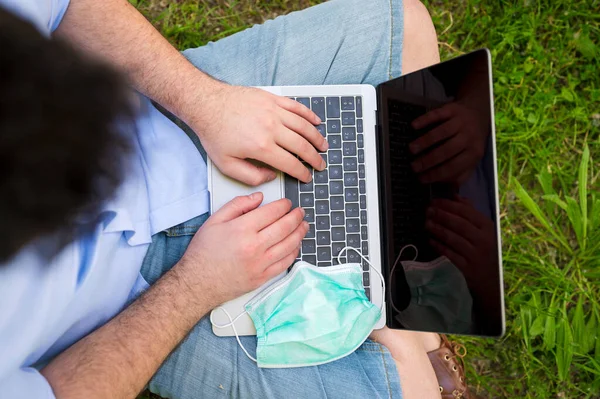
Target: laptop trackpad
224, 189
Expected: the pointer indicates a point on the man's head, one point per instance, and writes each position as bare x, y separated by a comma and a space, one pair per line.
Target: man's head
63, 138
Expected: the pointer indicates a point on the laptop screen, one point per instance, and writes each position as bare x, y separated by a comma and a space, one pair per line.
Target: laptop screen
439, 199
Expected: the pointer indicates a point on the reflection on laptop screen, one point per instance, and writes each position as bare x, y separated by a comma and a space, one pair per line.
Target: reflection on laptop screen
439, 199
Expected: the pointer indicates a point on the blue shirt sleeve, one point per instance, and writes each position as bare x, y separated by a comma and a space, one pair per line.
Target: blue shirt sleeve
46, 15
25, 383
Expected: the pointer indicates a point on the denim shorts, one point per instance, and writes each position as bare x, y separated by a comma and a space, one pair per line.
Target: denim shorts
338, 42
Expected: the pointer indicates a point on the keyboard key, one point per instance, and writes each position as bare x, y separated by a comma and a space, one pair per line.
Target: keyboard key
363, 202
321, 128
353, 257
304, 101
349, 149
333, 107
366, 281
362, 187
365, 248
363, 233
363, 217
337, 247
348, 133
352, 225
361, 156
306, 187
324, 157
336, 187
333, 126
322, 222
368, 293
309, 215
365, 265
309, 246
318, 107
359, 125
351, 194
323, 238
321, 191
352, 210
361, 171
350, 164
335, 141
335, 172
350, 179
312, 259
307, 200
324, 254
311, 231
337, 218
338, 234
320, 176
335, 157
348, 118
337, 203
359, 107
324, 264
347, 103
353, 240
291, 190
360, 140
322, 207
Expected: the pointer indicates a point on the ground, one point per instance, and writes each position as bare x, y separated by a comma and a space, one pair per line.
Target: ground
547, 101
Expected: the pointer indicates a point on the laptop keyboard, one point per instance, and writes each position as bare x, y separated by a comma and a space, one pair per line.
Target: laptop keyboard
335, 200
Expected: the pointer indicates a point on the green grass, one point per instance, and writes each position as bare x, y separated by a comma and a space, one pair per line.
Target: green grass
547, 99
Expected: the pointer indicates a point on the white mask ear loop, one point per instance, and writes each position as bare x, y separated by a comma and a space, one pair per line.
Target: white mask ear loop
371, 266
232, 325
396, 264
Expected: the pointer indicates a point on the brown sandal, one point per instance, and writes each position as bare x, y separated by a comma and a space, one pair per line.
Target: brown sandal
449, 370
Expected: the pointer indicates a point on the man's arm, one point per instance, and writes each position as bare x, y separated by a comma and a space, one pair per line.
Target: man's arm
118, 359
233, 123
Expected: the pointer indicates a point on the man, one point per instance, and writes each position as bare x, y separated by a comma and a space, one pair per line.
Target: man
102, 195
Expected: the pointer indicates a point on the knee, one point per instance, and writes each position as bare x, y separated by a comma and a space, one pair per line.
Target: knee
420, 39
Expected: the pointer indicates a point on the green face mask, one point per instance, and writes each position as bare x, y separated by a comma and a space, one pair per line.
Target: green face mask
313, 315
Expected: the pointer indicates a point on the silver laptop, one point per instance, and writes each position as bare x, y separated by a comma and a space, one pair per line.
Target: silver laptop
369, 198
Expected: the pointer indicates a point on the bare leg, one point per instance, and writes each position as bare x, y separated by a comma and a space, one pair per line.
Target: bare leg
409, 349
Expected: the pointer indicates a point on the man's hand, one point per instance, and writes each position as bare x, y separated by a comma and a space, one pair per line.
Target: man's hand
462, 134
241, 247
237, 123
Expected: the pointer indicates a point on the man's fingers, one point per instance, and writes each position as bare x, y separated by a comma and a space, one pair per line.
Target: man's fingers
237, 207
449, 238
447, 150
266, 215
442, 132
280, 266
282, 228
448, 170
433, 116
280, 159
302, 127
296, 144
247, 172
462, 209
298, 109
455, 223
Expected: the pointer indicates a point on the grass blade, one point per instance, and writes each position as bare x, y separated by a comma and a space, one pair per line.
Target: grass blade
564, 348
545, 179
539, 215
594, 222
574, 214
591, 333
549, 336
583, 177
578, 323
554, 198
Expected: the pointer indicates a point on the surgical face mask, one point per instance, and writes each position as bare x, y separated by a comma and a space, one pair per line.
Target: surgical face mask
440, 298
313, 315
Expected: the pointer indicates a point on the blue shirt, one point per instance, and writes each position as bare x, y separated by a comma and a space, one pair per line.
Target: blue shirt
44, 308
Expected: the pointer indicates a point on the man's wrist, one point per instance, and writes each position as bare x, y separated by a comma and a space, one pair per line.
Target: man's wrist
199, 292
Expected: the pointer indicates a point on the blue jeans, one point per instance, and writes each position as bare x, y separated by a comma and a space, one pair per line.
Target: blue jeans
338, 42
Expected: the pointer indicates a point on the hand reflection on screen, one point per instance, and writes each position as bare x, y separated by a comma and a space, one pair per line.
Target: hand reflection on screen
464, 236
451, 150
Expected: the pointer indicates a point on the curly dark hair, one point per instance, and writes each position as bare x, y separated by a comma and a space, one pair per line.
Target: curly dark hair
65, 124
